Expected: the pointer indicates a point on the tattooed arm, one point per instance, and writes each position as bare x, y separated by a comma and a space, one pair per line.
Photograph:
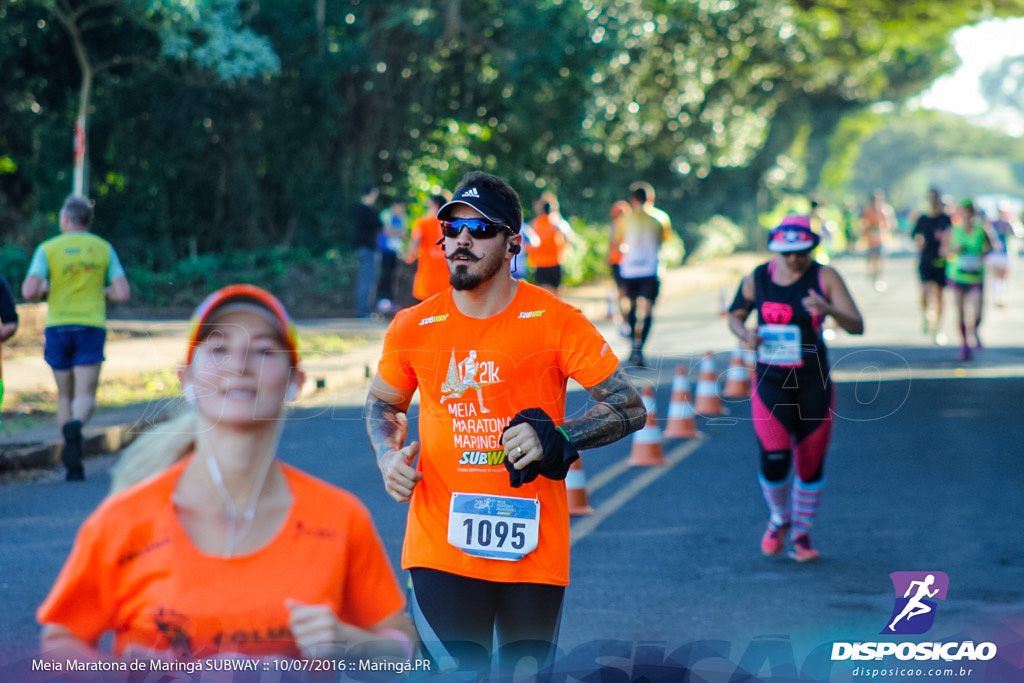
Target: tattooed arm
386, 427
619, 412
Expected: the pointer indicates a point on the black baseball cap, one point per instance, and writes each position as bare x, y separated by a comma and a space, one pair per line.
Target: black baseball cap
494, 206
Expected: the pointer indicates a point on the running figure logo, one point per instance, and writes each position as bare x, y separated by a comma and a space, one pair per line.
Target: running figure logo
461, 377
914, 612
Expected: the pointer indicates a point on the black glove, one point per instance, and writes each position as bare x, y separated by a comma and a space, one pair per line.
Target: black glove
559, 452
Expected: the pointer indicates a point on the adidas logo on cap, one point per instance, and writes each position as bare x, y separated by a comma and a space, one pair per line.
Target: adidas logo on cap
471, 192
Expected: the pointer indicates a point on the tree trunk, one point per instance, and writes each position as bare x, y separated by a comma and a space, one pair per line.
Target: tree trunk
78, 184
84, 94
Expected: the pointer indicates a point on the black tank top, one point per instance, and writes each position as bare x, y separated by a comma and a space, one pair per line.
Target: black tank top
781, 305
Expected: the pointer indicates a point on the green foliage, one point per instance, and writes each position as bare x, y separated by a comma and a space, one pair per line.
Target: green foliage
906, 141
961, 177
220, 127
213, 35
13, 266
719, 236
313, 286
586, 257
673, 251
307, 285
844, 148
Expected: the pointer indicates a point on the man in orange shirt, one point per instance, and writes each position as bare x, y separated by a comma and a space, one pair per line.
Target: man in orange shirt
619, 211
487, 540
545, 257
424, 250
877, 221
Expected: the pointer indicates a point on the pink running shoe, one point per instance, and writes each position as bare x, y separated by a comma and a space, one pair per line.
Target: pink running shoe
964, 353
773, 540
802, 550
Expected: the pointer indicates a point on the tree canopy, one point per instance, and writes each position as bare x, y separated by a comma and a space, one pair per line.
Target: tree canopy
217, 125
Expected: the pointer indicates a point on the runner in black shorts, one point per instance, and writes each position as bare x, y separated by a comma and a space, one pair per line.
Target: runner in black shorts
644, 229
928, 234
642, 287
549, 277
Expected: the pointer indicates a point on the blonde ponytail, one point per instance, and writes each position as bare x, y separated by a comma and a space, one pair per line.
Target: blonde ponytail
155, 451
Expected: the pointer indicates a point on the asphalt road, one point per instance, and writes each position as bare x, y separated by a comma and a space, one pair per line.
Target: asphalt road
925, 474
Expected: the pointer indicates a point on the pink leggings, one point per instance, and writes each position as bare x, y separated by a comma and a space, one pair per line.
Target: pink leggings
792, 422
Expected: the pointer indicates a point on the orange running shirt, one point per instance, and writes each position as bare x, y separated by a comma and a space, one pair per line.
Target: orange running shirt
874, 223
615, 241
431, 268
134, 571
552, 242
473, 376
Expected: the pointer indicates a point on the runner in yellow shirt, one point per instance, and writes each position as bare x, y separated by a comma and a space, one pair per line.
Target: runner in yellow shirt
74, 269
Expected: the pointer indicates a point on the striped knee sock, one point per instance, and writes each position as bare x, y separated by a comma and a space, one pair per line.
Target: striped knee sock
776, 495
806, 497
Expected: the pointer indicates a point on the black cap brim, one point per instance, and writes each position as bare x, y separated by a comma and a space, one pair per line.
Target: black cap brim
491, 210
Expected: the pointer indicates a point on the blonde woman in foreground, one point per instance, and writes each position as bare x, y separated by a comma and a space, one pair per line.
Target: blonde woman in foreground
211, 546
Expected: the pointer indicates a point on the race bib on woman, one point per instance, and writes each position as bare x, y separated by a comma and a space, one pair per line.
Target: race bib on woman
780, 345
968, 263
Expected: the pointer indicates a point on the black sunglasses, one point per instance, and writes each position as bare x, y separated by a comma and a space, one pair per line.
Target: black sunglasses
478, 228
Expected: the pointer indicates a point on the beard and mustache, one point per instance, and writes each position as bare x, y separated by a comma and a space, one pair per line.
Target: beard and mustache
459, 275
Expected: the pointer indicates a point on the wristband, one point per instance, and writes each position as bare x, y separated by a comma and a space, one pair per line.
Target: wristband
558, 451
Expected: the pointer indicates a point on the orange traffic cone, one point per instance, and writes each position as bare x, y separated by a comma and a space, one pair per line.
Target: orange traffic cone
737, 377
647, 442
576, 490
681, 422
706, 402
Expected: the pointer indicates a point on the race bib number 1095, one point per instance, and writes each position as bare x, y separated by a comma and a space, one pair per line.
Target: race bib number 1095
495, 527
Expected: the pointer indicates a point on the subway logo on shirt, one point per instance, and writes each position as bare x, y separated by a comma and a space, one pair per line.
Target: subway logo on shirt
482, 458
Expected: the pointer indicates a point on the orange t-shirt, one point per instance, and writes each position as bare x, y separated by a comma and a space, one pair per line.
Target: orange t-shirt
552, 243
615, 241
134, 571
432, 267
473, 376
874, 222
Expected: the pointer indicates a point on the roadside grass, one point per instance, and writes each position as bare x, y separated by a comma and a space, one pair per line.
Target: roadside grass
30, 409
24, 410
326, 344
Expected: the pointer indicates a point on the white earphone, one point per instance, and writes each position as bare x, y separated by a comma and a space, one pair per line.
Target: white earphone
293, 391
